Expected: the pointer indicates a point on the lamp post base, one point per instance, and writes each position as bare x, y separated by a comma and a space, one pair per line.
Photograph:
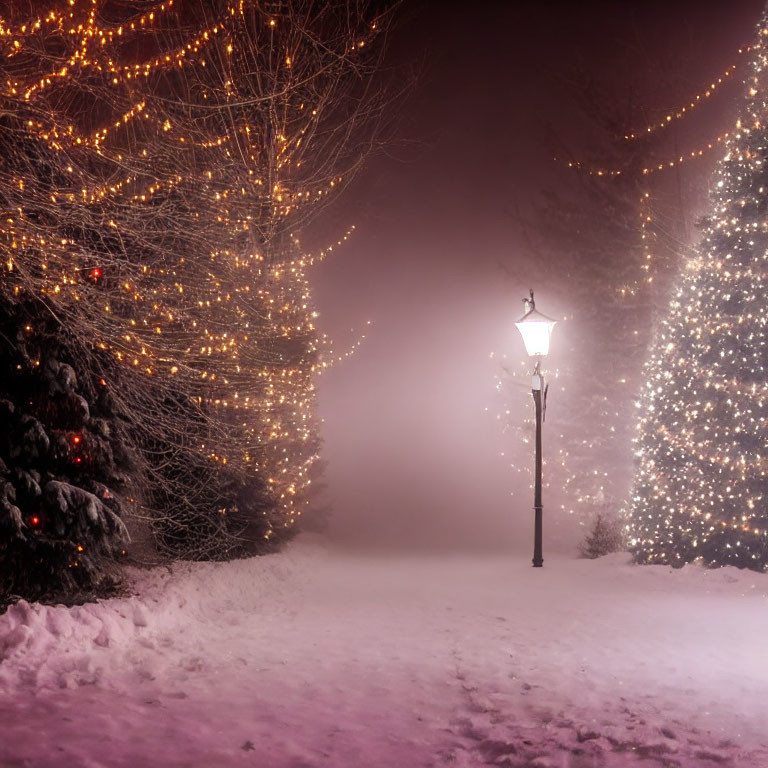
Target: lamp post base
538, 558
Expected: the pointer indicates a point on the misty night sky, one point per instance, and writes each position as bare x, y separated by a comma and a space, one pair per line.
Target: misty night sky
438, 262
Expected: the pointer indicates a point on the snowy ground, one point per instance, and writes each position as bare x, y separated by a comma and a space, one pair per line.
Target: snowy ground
311, 659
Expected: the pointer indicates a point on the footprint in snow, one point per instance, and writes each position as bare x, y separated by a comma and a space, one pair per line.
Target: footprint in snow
493, 750
193, 664
469, 730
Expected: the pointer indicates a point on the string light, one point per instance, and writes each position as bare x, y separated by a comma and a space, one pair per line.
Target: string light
692, 155
668, 120
161, 227
694, 102
674, 162
647, 236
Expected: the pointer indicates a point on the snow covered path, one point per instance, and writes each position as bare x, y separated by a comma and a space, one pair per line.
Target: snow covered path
310, 659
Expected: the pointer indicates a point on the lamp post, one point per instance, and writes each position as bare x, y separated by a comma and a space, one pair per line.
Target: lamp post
536, 330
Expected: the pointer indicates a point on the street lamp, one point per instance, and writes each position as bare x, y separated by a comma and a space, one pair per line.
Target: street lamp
536, 330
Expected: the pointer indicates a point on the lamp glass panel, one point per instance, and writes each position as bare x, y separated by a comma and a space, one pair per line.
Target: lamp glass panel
536, 335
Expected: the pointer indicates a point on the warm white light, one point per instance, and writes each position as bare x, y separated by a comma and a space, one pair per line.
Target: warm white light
536, 330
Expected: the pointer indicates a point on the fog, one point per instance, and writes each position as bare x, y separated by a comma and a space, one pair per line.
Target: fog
438, 262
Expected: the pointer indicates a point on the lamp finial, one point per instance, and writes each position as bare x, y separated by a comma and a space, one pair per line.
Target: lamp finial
529, 303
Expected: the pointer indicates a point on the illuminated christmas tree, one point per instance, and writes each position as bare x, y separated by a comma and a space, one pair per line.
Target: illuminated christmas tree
701, 489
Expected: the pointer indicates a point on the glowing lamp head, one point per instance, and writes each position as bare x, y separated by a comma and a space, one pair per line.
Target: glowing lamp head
535, 328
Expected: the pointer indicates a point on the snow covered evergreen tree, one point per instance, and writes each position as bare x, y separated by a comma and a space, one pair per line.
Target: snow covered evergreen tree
701, 489
605, 536
62, 463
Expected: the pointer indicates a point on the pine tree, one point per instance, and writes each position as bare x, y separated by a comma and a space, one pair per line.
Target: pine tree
62, 466
597, 228
605, 537
701, 488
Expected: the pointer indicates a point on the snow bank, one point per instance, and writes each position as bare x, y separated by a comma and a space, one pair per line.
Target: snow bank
44, 646
311, 658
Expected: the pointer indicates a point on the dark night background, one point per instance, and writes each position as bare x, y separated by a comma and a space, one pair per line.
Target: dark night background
439, 264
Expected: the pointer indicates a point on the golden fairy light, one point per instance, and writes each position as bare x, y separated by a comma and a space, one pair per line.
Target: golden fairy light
695, 101
154, 202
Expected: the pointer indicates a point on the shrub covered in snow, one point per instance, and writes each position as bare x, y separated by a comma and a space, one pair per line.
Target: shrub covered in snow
605, 537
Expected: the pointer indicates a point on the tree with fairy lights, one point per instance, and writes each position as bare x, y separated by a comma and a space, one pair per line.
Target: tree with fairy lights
159, 160
619, 219
593, 230
701, 489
